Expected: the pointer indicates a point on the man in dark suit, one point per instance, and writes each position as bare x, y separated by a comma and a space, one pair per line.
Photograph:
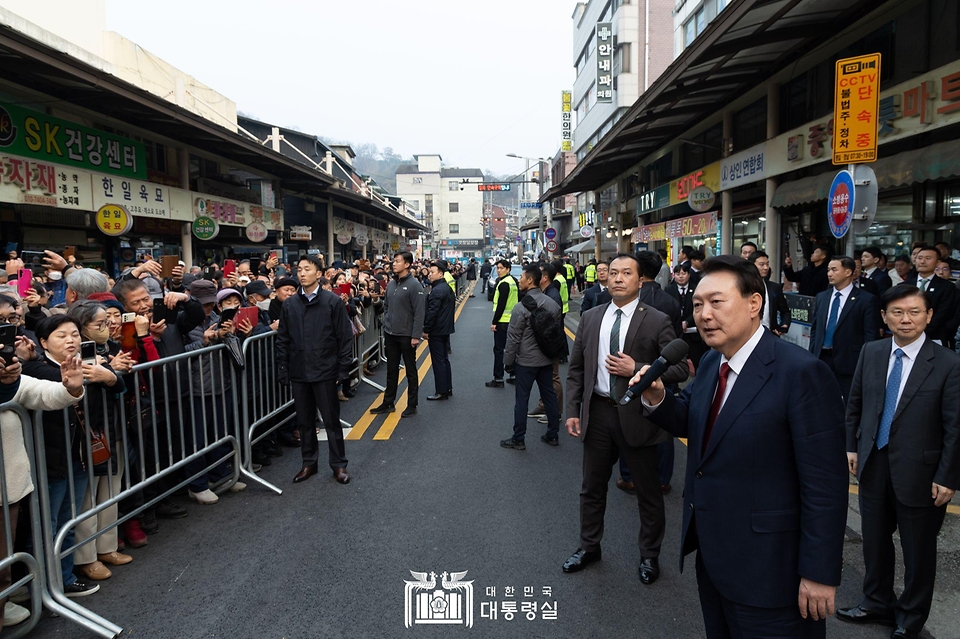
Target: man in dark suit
941, 293
903, 443
682, 290
845, 318
775, 314
765, 493
612, 342
812, 279
870, 259
438, 325
596, 295
861, 281
650, 292
485, 271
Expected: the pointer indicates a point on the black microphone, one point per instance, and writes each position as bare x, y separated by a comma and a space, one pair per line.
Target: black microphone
673, 353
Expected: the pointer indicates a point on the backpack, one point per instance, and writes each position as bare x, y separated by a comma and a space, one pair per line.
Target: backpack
547, 329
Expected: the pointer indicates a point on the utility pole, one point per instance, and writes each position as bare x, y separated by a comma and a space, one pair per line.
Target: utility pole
542, 166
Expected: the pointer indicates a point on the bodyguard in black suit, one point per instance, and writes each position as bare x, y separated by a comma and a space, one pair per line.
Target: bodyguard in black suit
871, 260
681, 289
596, 295
941, 294
844, 320
775, 314
438, 325
765, 498
903, 443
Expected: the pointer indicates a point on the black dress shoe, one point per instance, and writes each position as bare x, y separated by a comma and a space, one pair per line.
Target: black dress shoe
580, 560
550, 441
305, 474
649, 570
341, 475
383, 408
494, 383
903, 633
410, 411
513, 443
859, 614
438, 396
169, 510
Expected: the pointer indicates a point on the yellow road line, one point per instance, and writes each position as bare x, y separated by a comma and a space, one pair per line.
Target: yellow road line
393, 419
363, 424
569, 334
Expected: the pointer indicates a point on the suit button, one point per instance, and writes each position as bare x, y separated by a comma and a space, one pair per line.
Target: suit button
699, 475
691, 506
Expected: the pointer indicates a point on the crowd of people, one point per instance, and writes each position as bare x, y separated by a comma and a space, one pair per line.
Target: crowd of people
76, 334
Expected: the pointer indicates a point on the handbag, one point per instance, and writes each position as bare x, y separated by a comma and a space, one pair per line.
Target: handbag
234, 350
99, 445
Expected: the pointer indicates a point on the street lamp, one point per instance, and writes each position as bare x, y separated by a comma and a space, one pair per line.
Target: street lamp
540, 165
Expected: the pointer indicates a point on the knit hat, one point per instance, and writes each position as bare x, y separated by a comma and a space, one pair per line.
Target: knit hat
257, 287
285, 281
224, 293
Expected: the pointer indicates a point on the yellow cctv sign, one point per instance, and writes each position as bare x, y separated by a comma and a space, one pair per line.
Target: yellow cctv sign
856, 96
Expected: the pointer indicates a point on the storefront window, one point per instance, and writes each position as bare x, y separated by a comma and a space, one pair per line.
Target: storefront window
890, 231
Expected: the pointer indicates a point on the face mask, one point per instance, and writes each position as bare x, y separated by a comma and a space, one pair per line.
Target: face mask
100, 336
54, 275
264, 305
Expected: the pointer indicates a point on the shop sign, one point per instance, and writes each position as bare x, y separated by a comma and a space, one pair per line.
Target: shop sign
205, 228
344, 238
256, 232
650, 233
586, 232
703, 224
493, 187
604, 62
26, 181
856, 103
588, 218
301, 233
223, 211
566, 121
743, 168
708, 176
701, 199
142, 199
658, 198
362, 239
114, 220
39, 136
840, 203
270, 218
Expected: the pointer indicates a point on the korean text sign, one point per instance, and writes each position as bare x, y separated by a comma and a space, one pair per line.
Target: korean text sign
856, 109
40, 136
604, 86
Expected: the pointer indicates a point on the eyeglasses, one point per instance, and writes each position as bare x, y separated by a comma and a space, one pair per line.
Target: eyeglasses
897, 313
99, 326
10, 319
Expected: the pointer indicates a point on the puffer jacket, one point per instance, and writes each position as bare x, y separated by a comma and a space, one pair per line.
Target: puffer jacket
522, 345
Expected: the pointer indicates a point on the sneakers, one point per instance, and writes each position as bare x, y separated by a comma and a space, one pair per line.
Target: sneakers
80, 588
204, 497
95, 571
114, 558
14, 614
537, 413
513, 443
169, 510
20, 595
238, 487
550, 441
134, 536
148, 522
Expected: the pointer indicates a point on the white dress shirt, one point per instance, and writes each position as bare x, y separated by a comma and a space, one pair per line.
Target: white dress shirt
736, 363
910, 354
765, 316
869, 272
602, 386
684, 291
921, 280
844, 296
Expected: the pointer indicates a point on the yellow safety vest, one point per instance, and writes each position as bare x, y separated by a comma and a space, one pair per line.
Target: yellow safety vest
564, 293
512, 298
449, 280
591, 273
571, 272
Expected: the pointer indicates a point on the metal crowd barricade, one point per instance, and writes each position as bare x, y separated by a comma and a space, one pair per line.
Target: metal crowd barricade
33, 563
153, 447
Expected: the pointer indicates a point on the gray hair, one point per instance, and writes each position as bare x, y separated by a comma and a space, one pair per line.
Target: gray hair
87, 281
84, 312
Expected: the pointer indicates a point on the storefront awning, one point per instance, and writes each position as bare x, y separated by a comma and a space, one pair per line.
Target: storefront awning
607, 246
935, 162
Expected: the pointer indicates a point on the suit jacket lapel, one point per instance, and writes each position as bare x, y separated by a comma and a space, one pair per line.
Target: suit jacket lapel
591, 348
706, 380
921, 369
848, 305
751, 379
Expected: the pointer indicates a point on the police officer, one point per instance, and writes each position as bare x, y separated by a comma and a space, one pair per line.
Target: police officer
447, 276
504, 299
590, 273
560, 282
570, 272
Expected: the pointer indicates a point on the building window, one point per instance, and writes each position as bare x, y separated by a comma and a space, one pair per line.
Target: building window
428, 204
621, 60
418, 180
452, 185
415, 204
454, 207
694, 27
454, 228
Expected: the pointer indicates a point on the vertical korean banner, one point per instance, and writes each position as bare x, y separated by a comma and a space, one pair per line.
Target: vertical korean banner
566, 124
856, 106
604, 86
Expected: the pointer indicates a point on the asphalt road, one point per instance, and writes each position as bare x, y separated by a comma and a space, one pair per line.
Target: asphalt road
435, 493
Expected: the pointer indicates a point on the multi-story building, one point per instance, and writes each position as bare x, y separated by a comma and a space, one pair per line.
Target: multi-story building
447, 201
642, 48
690, 19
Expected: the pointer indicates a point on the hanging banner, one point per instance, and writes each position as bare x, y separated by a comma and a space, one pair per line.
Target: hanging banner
566, 121
604, 86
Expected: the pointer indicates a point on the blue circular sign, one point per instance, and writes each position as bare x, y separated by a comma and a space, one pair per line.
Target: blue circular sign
840, 203
550, 233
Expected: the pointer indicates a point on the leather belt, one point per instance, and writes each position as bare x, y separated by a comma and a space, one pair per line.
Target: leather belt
606, 400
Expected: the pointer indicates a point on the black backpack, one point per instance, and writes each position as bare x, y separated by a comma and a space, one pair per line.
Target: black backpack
547, 329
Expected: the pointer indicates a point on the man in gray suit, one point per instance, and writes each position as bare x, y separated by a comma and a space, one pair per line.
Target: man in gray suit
903, 443
613, 341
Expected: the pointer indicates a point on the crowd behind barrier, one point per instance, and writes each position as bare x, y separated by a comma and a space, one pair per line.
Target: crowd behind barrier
190, 401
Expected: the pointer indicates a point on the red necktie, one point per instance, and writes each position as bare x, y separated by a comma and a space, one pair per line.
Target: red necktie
717, 403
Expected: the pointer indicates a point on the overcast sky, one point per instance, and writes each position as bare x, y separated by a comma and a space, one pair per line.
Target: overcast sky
471, 81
